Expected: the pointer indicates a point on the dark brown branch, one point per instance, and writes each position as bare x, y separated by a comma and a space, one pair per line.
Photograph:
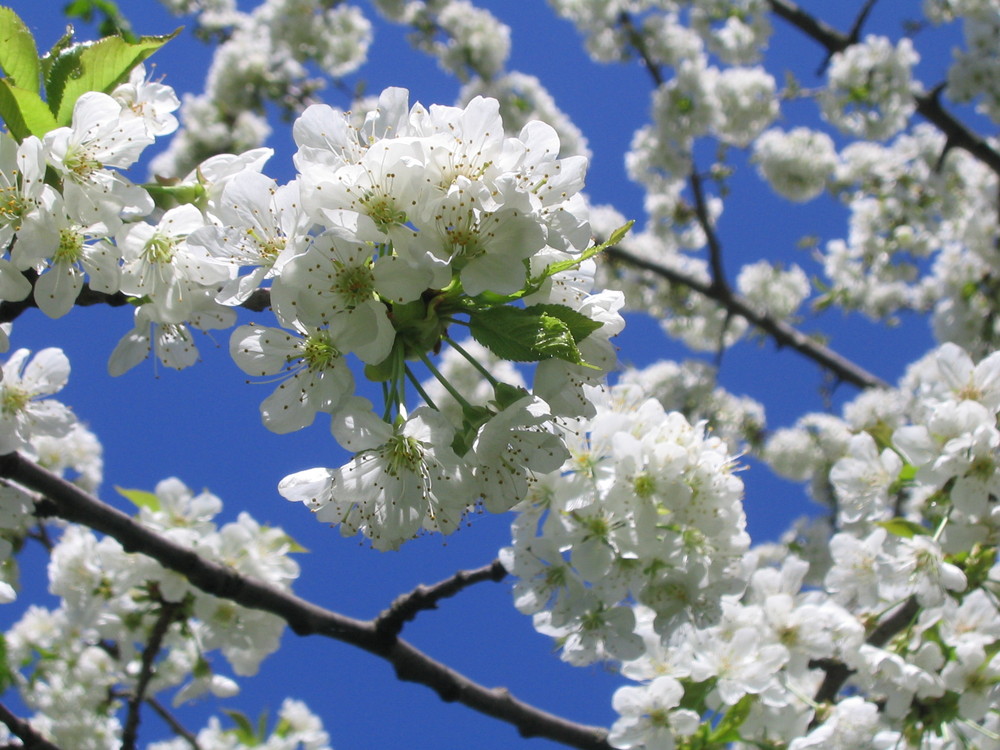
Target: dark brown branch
10, 311
303, 617
719, 290
719, 282
855, 33
928, 105
168, 614
837, 673
406, 607
24, 731
782, 333
635, 39
176, 727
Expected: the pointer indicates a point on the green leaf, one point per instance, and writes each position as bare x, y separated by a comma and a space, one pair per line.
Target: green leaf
580, 326
727, 730
24, 112
140, 498
62, 44
293, 546
244, 731
525, 334
97, 66
902, 528
590, 252
18, 53
6, 674
113, 21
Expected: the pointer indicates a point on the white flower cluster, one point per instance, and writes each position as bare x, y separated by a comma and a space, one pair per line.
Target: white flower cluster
632, 555
921, 235
974, 73
425, 212
268, 55
297, 728
797, 164
869, 93
399, 225
647, 509
76, 663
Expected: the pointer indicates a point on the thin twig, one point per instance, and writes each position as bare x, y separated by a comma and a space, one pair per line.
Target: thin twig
855, 33
176, 727
782, 333
24, 731
719, 282
407, 606
168, 614
303, 617
635, 39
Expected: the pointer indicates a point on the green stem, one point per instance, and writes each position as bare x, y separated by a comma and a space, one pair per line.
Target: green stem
472, 361
386, 402
444, 381
420, 388
941, 526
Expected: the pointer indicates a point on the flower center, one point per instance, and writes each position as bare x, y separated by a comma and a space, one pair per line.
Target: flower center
405, 453
70, 247
159, 249
644, 485
14, 400
12, 207
382, 210
355, 284
81, 163
319, 354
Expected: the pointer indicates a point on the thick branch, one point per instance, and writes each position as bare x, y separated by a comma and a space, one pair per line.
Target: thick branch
303, 617
10, 311
407, 606
24, 731
782, 333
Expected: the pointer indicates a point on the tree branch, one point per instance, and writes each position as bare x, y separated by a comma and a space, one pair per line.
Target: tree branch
782, 333
635, 39
179, 729
24, 731
259, 300
837, 673
928, 105
168, 613
407, 606
303, 617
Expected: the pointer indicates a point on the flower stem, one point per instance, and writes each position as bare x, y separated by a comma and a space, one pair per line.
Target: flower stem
420, 389
444, 381
472, 361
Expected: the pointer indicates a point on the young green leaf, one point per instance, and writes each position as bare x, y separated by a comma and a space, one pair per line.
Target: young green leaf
113, 21
24, 112
62, 44
590, 252
580, 326
244, 730
99, 66
524, 335
902, 528
18, 53
140, 498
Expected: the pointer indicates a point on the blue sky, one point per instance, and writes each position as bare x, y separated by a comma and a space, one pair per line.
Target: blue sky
203, 426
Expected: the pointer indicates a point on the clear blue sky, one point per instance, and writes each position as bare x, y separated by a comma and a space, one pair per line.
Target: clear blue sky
202, 424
